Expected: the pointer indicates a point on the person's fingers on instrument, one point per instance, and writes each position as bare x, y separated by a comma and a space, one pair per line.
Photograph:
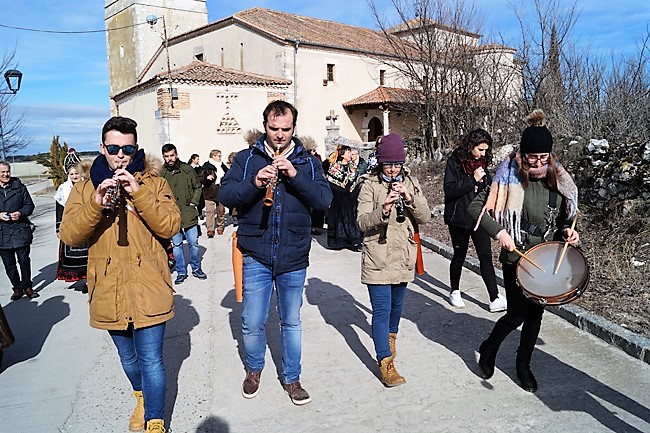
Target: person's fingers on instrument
571, 236
505, 240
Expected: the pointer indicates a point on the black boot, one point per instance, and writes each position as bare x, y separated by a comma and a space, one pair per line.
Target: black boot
489, 348
525, 376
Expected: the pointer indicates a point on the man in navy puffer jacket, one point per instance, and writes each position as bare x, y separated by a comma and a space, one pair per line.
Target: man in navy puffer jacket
275, 239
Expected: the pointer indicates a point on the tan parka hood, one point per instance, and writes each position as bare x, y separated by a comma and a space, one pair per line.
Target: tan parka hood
129, 279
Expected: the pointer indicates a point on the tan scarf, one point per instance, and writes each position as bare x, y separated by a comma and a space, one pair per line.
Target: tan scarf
506, 199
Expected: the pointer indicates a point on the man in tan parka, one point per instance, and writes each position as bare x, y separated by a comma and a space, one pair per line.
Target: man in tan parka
125, 211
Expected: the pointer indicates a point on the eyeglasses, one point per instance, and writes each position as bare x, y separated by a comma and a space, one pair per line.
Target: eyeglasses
114, 149
534, 158
393, 164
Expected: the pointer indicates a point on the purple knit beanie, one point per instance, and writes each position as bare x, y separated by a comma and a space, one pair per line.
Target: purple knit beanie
391, 149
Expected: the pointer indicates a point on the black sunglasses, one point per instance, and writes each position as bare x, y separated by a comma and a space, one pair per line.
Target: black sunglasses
114, 149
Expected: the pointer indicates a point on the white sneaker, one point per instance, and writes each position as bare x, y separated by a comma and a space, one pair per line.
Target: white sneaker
456, 300
499, 304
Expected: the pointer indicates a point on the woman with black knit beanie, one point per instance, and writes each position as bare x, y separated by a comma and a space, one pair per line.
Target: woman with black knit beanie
530, 190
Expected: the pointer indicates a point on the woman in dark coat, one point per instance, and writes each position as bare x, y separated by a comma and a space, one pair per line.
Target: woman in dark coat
342, 228
466, 175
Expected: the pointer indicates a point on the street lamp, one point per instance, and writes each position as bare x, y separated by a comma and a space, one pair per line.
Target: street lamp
13, 77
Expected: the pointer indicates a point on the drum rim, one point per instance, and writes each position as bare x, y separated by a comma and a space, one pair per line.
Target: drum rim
563, 298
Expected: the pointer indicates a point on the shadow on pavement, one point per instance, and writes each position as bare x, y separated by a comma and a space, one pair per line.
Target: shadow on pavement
213, 424
234, 320
31, 323
177, 347
562, 387
45, 276
272, 330
340, 310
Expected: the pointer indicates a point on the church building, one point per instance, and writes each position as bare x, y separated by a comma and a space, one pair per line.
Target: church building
201, 85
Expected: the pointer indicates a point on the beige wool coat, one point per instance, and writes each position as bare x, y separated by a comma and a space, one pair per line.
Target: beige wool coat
128, 273
389, 248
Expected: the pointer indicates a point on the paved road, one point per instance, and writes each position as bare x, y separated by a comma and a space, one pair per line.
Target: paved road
63, 376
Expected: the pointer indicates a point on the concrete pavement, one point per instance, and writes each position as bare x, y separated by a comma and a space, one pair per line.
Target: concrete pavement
63, 376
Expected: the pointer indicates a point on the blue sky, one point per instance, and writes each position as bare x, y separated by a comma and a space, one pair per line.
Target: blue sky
65, 85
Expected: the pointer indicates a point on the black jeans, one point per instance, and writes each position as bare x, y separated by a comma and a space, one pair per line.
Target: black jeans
9, 256
460, 241
521, 310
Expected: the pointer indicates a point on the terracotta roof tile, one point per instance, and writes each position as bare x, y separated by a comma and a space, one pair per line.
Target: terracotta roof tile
417, 23
203, 73
314, 31
381, 95
206, 73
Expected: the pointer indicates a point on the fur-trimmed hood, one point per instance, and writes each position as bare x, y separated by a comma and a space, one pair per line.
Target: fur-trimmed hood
152, 165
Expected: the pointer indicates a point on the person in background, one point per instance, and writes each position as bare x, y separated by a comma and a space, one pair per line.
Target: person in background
274, 239
360, 164
466, 175
532, 200
211, 174
186, 187
391, 206
130, 289
317, 215
16, 235
195, 163
342, 228
232, 211
73, 261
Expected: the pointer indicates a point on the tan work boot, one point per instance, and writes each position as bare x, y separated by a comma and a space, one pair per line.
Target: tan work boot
392, 338
136, 423
389, 376
156, 426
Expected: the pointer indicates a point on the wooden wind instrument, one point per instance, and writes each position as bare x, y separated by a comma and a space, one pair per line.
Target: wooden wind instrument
270, 188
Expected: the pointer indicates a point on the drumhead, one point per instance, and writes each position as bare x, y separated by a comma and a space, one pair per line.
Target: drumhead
572, 276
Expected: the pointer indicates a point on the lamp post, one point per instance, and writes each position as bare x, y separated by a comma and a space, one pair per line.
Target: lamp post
13, 77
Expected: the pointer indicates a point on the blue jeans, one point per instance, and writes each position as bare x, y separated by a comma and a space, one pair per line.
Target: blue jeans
387, 301
258, 286
192, 236
141, 355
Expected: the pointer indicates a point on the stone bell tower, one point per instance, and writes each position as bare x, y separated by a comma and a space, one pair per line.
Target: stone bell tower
131, 42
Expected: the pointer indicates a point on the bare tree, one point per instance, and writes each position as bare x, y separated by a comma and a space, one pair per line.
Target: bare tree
545, 42
581, 92
436, 51
12, 126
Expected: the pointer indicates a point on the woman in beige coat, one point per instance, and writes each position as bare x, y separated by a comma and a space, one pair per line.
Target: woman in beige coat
391, 205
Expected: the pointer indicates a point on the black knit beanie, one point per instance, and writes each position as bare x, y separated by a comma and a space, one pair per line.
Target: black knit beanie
536, 138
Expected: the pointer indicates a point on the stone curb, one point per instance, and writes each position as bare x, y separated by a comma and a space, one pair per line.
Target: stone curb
626, 340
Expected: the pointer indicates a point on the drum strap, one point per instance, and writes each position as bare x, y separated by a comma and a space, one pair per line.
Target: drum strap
534, 229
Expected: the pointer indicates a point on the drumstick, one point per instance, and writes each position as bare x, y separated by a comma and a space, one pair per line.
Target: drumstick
566, 245
523, 256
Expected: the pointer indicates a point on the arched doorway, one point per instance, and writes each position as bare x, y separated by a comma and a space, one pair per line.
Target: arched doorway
375, 129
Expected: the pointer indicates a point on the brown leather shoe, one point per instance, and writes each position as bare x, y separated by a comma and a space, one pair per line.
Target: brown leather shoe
251, 385
17, 295
210, 233
297, 393
219, 231
30, 293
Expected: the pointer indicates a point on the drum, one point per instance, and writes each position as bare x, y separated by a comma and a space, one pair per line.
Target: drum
548, 287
